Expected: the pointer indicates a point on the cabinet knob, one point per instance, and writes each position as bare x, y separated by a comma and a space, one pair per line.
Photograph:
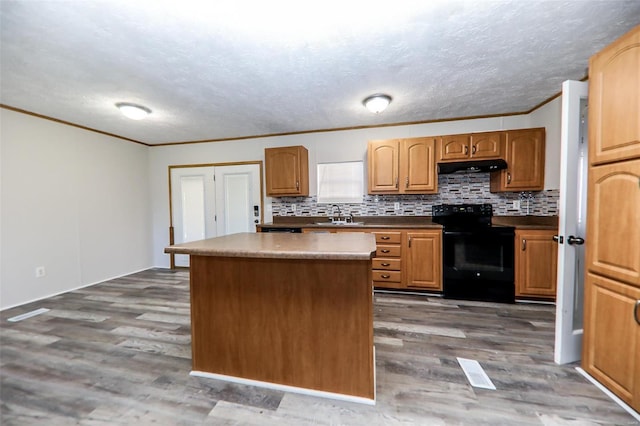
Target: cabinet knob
385, 250
385, 276
636, 308
508, 178
473, 150
524, 244
384, 238
466, 150
297, 185
385, 264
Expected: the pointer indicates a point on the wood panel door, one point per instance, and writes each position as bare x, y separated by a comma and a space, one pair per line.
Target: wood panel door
613, 221
611, 351
418, 166
453, 148
383, 162
486, 145
614, 97
287, 171
524, 153
423, 256
536, 263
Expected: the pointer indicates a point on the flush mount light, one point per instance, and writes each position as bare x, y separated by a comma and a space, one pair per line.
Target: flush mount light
133, 111
377, 103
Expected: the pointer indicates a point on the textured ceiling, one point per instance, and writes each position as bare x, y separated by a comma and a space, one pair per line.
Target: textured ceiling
229, 69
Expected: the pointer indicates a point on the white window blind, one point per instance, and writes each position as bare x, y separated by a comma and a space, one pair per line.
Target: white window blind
340, 182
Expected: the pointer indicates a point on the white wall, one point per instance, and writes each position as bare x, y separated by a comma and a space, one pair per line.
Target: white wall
346, 145
73, 201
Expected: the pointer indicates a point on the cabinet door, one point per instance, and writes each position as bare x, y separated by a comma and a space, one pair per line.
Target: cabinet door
614, 101
487, 145
524, 153
287, 171
453, 148
424, 259
536, 263
383, 166
613, 221
418, 166
611, 349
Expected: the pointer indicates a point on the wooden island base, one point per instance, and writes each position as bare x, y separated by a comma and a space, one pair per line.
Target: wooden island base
302, 325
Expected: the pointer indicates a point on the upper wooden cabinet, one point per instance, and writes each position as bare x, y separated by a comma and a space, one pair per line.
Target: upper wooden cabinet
536, 261
476, 146
614, 101
402, 166
613, 221
524, 154
287, 171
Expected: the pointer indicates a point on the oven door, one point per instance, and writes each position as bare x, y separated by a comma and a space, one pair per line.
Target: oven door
478, 264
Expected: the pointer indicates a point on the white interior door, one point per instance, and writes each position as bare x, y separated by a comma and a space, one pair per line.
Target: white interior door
572, 223
193, 206
238, 198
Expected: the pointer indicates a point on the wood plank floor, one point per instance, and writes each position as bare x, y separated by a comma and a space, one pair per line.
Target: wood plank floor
118, 353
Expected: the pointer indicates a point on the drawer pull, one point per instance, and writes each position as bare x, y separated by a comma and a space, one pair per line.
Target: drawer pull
385, 264
385, 238
385, 276
385, 250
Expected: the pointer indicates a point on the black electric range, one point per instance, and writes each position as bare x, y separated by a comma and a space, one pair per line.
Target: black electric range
478, 258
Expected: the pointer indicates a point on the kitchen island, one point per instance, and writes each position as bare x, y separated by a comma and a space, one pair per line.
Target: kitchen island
286, 311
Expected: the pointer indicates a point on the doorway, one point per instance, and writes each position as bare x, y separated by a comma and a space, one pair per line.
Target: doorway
572, 224
212, 200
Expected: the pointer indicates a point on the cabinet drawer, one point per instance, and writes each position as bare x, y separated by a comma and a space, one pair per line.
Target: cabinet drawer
388, 237
387, 264
383, 250
391, 276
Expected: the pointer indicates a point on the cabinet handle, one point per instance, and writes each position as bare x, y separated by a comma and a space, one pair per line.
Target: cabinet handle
396, 182
384, 238
297, 185
385, 264
385, 276
466, 150
406, 185
409, 241
508, 178
473, 150
635, 312
524, 244
385, 250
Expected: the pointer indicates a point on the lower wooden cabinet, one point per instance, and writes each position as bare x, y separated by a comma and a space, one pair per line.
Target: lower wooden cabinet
405, 258
611, 347
423, 259
536, 261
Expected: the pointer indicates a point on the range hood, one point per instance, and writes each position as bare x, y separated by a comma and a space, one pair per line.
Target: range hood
472, 166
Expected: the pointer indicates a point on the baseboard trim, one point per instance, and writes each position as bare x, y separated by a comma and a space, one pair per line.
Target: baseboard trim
73, 289
285, 388
610, 394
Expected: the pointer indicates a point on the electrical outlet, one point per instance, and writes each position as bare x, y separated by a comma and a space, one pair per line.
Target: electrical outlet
294, 208
396, 206
516, 205
40, 272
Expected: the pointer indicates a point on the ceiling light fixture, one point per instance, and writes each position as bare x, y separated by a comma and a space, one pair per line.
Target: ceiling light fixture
133, 111
377, 103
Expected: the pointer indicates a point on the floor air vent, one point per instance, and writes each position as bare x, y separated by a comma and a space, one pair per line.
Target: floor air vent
475, 374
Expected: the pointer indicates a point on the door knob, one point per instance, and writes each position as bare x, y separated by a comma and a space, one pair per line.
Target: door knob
575, 240
558, 239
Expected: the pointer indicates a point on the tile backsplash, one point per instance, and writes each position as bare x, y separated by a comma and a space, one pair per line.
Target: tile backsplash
452, 189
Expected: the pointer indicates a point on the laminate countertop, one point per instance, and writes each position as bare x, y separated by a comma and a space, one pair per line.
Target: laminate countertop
406, 222
339, 246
